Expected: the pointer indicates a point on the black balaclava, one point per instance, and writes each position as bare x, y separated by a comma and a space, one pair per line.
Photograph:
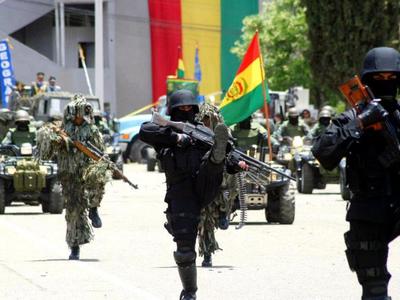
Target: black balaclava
386, 90
382, 60
178, 115
324, 121
294, 120
245, 124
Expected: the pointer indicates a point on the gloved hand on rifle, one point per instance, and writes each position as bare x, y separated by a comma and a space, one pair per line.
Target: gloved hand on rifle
184, 140
372, 113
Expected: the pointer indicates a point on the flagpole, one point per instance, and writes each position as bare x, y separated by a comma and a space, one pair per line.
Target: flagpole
266, 108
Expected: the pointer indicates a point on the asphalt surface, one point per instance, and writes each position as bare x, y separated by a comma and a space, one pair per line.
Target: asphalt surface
131, 256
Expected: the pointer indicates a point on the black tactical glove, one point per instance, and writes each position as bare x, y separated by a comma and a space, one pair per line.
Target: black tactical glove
183, 140
372, 114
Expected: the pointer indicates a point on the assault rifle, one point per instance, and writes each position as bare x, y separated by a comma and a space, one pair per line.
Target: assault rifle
358, 96
258, 170
96, 154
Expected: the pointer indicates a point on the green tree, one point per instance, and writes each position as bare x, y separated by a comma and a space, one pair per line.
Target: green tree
283, 30
340, 34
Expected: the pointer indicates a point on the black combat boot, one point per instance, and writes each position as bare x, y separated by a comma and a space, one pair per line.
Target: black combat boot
223, 221
221, 136
377, 298
186, 262
94, 216
188, 277
207, 261
187, 296
74, 253
376, 290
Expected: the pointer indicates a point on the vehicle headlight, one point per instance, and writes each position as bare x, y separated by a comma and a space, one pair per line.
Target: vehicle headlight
26, 149
109, 149
297, 142
10, 170
287, 156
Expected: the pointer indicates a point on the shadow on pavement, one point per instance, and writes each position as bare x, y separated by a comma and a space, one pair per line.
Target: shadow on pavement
200, 267
23, 213
255, 223
64, 259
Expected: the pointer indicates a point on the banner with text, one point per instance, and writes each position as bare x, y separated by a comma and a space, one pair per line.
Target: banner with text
7, 79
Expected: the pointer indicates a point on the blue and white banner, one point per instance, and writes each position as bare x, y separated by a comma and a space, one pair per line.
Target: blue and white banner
7, 79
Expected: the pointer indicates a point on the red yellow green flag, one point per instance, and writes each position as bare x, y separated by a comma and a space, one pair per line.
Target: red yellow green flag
245, 95
180, 70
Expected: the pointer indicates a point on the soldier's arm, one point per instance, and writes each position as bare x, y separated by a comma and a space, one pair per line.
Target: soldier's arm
7, 139
334, 144
156, 136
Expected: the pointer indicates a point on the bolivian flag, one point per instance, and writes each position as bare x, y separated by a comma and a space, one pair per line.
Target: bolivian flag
245, 95
180, 70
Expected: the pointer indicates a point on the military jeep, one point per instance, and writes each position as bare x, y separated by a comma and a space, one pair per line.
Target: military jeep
45, 105
25, 179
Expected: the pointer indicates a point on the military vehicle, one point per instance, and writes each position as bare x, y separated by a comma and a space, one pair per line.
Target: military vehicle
296, 155
25, 179
272, 192
45, 105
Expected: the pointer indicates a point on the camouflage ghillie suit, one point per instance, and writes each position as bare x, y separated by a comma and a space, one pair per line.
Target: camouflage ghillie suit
81, 178
223, 202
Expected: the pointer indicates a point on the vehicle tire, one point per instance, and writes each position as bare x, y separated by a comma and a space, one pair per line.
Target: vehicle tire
120, 165
287, 203
344, 189
138, 151
298, 183
281, 205
160, 168
55, 203
2, 198
307, 179
272, 210
151, 164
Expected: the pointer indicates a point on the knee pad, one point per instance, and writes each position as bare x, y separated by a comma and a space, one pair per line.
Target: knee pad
367, 258
184, 259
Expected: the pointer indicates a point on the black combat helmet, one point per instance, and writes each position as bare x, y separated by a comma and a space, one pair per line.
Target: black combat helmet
382, 60
181, 98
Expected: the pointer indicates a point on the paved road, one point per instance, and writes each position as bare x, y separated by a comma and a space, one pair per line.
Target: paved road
131, 256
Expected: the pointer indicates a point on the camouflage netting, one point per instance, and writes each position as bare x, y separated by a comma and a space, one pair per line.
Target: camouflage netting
209, 216
210, 112
223, 202
81, 178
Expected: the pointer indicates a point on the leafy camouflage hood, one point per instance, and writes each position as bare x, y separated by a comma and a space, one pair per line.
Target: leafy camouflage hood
210, 112
78, 107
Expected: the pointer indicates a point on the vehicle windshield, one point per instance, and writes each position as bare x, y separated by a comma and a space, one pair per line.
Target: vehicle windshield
57, 105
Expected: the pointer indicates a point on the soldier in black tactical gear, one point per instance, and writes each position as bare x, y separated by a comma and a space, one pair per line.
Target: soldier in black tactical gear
193, 174
374, 210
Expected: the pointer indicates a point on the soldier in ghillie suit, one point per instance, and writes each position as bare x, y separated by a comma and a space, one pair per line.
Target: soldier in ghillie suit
82, 179
216, 214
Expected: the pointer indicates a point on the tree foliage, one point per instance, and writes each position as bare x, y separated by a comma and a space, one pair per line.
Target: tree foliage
340, 34
283, 30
